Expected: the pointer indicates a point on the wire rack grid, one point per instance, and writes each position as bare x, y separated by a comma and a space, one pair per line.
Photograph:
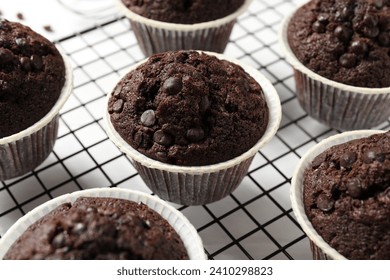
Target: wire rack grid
256, 220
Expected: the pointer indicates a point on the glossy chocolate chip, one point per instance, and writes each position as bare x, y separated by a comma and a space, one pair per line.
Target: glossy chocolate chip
371, 32
323, 18
378, 4
79, 228
359, 47
162, 155
325, 203
148, 118
348, 60
384, 39
36, 61
348, 159
20, 42
142, 139
318, 160
318, 27
117, 91
373, 154
354, 187
172, 85
58, 240
4, 24
117, 106
162, 138
6, 56
370, 20
195, 134
25, 63
343, 33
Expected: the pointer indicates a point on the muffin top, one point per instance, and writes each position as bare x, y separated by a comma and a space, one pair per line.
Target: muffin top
184, 11
99, 228
189, 108
347, 41
32, 74
347, 197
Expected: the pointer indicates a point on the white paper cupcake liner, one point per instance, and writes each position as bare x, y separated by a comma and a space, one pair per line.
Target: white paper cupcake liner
157, 36
23, 151
320, 249
200, 184
176, 219
337, 105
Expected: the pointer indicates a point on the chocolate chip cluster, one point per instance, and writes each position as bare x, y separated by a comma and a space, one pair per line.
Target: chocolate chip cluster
357, 25
32, 74
358, 170
189, 108
346, 41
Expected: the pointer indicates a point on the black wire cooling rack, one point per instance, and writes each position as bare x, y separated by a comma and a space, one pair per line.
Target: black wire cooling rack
256, 221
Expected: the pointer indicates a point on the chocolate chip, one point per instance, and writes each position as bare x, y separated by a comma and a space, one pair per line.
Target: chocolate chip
20, 16
373, 154
370, 20
318, 160
359, 47
343, 33
6, 56
354, 187
162, 155
58, 240
148, 118
195, 134
347, 159
348, 60
325, 203
204, 104
378, 3
384, 39
371, 32
369, 156
323, 18
162, 138
20, 41
36, 61
318, 27
4, 24
79, 228
48, 28
343, 15
117, 106
117, 91
142, 139
25, 63
173, 85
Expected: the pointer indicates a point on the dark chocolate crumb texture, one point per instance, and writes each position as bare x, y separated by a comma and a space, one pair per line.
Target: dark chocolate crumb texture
347, 41
99, 228
32, 74
189, 108
347, 197
184, 11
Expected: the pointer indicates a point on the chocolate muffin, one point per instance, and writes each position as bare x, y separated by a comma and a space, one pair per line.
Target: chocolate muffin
189, 108
347, 41
99, 228
346, 194
32, 74
184, 11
